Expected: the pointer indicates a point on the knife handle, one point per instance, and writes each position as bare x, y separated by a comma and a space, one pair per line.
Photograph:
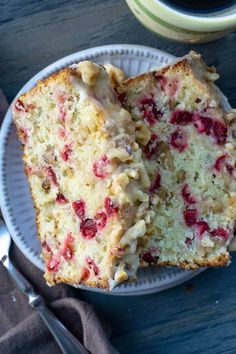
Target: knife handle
66, 341
22, 283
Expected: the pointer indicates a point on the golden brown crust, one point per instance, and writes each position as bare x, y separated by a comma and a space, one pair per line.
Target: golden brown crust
31, 193
187, 65
52, 280
134, 81
182, 66
222, 260
61, 76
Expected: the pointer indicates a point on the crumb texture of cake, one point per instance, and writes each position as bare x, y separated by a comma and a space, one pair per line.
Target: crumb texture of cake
188, 144
87, 177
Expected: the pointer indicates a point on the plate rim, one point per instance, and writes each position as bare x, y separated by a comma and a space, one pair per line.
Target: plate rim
91, 53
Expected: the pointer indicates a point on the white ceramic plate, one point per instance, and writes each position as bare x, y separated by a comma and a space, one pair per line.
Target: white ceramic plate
16, 202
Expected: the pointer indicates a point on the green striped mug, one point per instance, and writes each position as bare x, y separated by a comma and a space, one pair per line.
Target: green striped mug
182, 25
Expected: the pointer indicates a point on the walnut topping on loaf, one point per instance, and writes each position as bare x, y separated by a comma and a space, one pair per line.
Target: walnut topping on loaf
86, 175
189, 147
116, 74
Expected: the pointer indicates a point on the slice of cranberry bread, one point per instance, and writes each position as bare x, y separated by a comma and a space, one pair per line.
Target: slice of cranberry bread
188, 145
86, 175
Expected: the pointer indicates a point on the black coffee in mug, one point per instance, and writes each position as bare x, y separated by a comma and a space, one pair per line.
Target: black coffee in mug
200, 6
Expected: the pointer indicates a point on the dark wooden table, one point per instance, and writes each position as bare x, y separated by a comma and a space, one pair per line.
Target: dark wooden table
198, 317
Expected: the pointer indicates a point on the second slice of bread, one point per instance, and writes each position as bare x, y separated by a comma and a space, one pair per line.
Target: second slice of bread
188, 144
